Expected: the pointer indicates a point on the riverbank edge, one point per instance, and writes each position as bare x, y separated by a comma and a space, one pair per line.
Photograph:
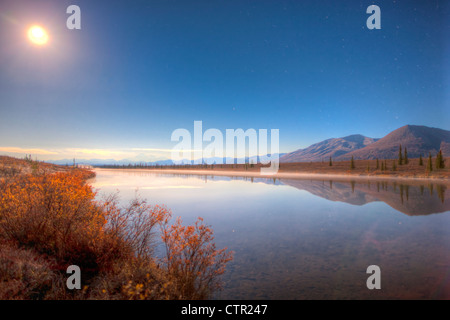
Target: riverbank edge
286, 175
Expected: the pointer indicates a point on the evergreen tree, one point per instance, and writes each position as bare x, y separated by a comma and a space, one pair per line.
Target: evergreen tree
352, 163
437, 164
330, 163
420, 160
400, 157
440, 161
430, 163
394, 167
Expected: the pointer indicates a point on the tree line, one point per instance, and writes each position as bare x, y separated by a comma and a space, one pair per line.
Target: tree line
439, 162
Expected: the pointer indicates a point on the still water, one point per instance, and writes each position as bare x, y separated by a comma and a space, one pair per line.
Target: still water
311, 239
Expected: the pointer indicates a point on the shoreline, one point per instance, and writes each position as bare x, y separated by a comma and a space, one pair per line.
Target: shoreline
283, 175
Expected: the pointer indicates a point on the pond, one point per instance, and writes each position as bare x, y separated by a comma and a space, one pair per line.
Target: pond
310, 239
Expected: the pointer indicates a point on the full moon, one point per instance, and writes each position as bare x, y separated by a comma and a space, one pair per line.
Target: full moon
37, 35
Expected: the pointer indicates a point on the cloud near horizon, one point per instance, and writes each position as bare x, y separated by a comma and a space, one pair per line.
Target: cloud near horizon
133, 154
69, 153
27, 151
99, 152
165, 150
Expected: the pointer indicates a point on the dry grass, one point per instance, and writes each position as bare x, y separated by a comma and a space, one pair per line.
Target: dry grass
24, 274
11, 167
369, 167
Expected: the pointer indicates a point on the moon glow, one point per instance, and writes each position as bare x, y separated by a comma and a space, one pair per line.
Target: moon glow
37, 35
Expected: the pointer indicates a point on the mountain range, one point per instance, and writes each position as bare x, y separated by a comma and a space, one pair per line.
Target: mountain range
418, 140
334, 148
139, 161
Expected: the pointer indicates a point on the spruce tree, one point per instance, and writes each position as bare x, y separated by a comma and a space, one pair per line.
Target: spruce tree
420, 160
430, 163
352, 163
394, 167
330, 163
437, 164
442, 160
400, 157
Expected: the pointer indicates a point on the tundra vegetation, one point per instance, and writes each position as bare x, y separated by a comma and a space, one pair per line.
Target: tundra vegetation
52, 219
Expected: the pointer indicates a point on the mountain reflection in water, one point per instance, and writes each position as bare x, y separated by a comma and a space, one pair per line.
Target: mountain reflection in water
419, 199
414, 198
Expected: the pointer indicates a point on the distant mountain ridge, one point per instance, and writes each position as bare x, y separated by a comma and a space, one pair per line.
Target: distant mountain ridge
166, 162
333, 148
419, 140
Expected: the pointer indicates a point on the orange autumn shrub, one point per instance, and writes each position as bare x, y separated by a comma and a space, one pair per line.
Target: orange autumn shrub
192, 259
192, 264
57, 216
134, 224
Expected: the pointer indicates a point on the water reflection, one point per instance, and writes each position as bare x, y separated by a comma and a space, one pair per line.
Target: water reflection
413, 198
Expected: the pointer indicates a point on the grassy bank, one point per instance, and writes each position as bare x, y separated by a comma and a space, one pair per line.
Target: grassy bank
50, 219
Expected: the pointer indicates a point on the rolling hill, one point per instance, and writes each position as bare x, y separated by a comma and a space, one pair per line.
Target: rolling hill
419, 140
333, 148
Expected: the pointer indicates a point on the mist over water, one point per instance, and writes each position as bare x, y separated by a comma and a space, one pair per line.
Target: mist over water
311, 239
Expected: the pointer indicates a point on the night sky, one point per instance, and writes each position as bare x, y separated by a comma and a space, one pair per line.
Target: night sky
138, 70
